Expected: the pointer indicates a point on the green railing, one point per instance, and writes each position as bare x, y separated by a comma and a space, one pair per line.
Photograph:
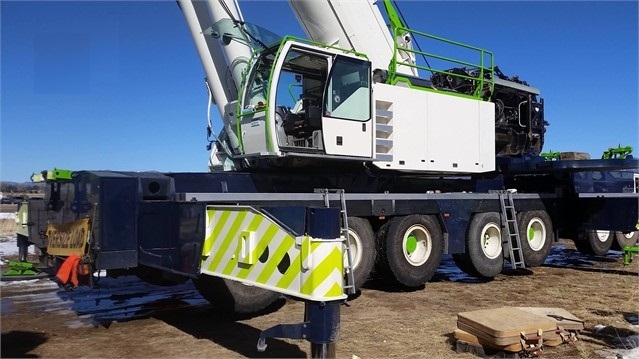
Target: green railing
618, 152
481, 80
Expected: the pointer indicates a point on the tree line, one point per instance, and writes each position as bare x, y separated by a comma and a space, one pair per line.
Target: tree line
7, 188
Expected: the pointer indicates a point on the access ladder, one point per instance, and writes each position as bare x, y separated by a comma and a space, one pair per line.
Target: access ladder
349, 286
509, 223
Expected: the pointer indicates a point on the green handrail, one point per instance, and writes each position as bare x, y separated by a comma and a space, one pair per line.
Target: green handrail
482, 81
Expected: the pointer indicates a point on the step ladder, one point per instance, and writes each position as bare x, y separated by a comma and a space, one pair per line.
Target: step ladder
349, 285
509, 223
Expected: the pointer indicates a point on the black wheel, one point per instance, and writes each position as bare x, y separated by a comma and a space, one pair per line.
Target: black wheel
623, 239
233, 299
362, 244
413, 248
483, 244
463, 262
381, 265
596, 243
536, 234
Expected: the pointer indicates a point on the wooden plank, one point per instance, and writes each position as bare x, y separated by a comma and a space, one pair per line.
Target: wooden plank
504, 341
504, 322
574, 324
468, 337
550, 339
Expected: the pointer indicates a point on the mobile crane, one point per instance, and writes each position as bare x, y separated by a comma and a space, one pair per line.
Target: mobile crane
332, 122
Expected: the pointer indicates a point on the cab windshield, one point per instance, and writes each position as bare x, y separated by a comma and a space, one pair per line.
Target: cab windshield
254, 36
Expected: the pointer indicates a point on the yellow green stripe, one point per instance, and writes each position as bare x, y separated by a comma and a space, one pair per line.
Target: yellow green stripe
226, 242
263, 242
271, 266
322, 271
294, 270
335, 291
252, 227
217, 227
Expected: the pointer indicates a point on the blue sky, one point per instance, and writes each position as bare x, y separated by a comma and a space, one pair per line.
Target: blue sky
118, 85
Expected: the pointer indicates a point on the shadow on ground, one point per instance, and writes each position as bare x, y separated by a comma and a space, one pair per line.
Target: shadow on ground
18, 344
242, 341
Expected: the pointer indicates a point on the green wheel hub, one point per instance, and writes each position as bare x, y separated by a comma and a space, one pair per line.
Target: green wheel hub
411, 244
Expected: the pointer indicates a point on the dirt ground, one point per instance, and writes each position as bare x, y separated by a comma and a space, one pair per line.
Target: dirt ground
125, 317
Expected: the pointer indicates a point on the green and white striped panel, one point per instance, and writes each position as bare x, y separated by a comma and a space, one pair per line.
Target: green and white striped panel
243, 244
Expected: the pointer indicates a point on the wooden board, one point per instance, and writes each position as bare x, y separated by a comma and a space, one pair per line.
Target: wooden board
506, 322
504, 341
566, 324
465, 336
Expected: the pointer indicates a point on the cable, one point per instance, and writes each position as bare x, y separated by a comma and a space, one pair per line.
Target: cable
414, 39
210, 123
240, 24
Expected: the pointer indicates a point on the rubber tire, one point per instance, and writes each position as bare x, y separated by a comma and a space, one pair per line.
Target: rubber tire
234, 299
405, 273
535, 257
621, 240
483, 266
590, 244
363, 230
462, 261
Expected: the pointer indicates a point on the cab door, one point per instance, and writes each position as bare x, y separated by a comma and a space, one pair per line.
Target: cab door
347, 126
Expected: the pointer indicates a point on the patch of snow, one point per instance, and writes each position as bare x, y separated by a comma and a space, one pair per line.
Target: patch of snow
100, 274
8, 246
598, 327
17, 282
10, 215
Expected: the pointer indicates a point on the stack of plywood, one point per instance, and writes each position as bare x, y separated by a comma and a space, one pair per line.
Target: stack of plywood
502, 328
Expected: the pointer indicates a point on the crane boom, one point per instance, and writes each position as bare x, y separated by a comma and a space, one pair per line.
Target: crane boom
353, 25
224, 63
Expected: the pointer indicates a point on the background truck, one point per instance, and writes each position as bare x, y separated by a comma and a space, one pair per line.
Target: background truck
349, 119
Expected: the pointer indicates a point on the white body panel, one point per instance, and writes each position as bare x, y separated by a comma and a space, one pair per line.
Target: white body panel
433, 132
352, 24
254, 134
347, 138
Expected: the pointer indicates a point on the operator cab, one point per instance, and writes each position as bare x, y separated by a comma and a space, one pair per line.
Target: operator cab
303, 100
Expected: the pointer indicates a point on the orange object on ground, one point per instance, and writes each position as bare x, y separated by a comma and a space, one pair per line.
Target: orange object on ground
69, 270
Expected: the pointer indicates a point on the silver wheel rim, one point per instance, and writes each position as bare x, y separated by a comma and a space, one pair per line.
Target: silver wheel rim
603, 236
417, 245
536, 234
355, 243
491, 240
629, 235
